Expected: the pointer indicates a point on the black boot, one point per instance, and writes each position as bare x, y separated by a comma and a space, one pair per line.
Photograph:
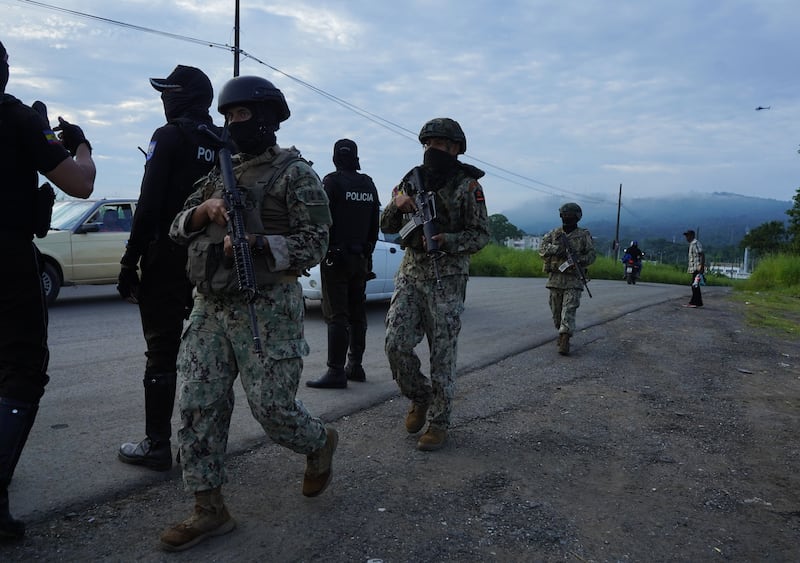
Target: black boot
154, 452
332, 379
335, 377
16, 421
358, 342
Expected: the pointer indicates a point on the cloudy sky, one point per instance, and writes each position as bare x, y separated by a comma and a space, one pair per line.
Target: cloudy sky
569, 98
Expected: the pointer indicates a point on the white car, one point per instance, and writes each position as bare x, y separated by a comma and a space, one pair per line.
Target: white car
385, 263
86, 240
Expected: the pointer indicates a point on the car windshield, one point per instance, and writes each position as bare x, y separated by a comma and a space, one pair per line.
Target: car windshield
66, 214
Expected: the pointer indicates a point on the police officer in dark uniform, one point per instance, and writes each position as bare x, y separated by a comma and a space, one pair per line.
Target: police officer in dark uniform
180, 153
355, 209
28, 146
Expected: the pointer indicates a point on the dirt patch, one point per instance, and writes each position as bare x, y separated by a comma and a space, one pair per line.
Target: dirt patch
669, 434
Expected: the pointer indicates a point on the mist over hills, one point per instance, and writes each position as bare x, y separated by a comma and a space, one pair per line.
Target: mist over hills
719, 218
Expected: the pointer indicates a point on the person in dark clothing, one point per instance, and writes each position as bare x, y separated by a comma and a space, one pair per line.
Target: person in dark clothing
355, 209
28, 145
180, 153
634, 251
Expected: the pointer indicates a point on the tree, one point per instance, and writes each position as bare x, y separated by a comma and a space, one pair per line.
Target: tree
501, 229
793, 232
767, 238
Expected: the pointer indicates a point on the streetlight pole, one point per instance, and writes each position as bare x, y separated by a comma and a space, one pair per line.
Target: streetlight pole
236, 41
616, 236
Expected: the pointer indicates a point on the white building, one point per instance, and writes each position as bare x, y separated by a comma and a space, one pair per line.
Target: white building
527, 242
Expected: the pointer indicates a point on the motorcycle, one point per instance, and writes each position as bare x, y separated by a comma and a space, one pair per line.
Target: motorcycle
633, 269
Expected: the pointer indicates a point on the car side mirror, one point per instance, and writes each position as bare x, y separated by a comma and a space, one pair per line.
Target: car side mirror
88, 228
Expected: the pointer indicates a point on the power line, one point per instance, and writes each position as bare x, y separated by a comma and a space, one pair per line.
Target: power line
361, 112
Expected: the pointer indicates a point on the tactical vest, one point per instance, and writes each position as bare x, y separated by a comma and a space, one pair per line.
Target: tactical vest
265, 213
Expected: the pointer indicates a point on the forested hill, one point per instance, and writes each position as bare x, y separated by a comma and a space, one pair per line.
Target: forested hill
720, 218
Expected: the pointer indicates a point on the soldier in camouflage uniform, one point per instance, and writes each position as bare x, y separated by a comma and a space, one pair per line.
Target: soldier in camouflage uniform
563, 282
287, 220
430, 285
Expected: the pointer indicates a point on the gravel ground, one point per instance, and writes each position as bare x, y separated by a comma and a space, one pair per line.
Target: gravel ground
669, 434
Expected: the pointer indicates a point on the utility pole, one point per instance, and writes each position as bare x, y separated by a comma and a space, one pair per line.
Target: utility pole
616, 236
236, 42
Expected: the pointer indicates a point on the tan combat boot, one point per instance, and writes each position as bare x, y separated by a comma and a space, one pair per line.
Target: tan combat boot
210, 518
416, 418
433, 439
319, 465
563, 344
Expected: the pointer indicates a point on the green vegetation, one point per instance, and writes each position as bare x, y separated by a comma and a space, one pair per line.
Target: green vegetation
499, 261
771, 295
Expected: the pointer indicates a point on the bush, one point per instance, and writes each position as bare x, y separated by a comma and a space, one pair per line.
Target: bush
778, 271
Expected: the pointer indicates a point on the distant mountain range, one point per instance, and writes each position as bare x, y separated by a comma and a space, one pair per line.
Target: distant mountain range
719, 218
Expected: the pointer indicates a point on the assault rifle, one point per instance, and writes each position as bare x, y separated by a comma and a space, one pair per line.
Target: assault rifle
424, 216
572, 260
242, 258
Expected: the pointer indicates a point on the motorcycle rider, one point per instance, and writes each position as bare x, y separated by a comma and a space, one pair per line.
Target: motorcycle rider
633, 252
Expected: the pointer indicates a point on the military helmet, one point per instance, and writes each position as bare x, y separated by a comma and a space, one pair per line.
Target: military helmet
571, 209
243, 90
445, 128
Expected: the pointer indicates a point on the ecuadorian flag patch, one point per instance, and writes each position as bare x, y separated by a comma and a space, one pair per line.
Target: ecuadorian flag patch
50, 137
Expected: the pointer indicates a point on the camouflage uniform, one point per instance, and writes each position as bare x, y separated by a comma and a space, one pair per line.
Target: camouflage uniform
217, 342
565, 287
418, 308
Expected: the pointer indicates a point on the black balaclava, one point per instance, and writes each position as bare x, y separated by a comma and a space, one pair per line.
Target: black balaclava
439, 166
438, 161
257, 134
186, 92
345, 155
569, 222
3, 68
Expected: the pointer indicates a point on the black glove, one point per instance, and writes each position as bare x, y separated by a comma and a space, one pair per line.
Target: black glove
71, 136
128, 284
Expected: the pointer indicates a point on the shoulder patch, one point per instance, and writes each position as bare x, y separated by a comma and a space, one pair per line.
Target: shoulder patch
476, 188
150, 150
50, 137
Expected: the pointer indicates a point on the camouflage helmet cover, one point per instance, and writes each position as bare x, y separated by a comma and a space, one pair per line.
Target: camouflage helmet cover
445, 128
252, 89
571, 209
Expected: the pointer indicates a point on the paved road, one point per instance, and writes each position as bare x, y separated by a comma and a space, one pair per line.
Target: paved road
95, 401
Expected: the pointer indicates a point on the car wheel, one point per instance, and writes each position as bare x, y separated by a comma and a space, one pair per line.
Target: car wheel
51, 283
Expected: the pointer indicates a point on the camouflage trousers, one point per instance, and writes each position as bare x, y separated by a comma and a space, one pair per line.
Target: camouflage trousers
216, 346
564, 304
418, 309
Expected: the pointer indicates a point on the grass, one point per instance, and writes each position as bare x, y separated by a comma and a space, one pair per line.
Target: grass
500, 261
771, 296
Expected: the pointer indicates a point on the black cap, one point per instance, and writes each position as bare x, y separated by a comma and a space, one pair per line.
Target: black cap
345, 155
346, 147
689, 232
183, 78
